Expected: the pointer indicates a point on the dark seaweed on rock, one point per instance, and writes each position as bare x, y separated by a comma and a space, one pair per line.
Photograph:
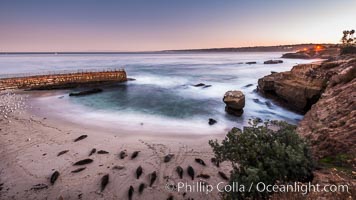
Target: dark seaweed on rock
78, 170
84, 162
80, 138
62, 152
54, 177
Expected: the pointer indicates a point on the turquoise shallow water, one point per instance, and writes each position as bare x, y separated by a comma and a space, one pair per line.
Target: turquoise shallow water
163, 92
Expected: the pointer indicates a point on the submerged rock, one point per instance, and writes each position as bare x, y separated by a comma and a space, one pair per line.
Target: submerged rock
248, 85
202, 85
212, 121
273, 62
235, 102
251, 63
86, 92
199, 85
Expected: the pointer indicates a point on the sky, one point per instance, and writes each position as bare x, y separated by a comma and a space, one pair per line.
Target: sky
148, 25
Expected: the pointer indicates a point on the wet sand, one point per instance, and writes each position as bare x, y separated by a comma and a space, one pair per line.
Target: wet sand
30, 143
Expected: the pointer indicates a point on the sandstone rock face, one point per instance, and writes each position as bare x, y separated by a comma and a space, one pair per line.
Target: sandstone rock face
235, 102
329, 90
330, 124
299, 88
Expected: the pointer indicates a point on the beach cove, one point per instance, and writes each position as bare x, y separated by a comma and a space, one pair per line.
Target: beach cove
41, 124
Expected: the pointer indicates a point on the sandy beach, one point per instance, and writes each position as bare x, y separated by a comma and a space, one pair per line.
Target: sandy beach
30, 143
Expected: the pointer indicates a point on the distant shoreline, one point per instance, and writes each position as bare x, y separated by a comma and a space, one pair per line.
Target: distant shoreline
276, 48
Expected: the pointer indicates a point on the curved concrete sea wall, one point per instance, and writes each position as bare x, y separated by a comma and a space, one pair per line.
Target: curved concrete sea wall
68, 80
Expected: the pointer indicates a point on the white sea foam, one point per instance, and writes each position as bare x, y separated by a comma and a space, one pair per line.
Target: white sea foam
163, 97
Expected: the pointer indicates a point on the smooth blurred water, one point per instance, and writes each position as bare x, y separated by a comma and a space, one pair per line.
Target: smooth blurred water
163, 93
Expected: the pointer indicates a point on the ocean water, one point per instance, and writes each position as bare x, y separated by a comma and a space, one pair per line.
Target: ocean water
163, 96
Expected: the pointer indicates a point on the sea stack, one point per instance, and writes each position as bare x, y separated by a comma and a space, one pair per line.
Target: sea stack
235, 102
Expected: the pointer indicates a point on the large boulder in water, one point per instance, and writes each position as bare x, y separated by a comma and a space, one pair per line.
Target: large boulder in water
235, 102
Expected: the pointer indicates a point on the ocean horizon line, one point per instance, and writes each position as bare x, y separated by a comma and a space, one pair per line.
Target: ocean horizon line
272, 48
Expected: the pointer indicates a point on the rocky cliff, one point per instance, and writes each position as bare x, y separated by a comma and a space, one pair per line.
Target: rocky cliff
330, 124
299, 88
326, 91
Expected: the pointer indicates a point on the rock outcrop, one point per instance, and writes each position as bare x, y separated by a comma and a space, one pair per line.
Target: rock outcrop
251, 63
327, 92
86, 92
318, 51
273, 62
235, 102
299, 88
330, 124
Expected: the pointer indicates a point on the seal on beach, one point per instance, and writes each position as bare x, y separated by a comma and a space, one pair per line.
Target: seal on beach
84, 162
134, 154
215, 162
104, 181
102, 152
122, 154
78, 170
131, 191
54, 177
92, 151
118, 167
141, 188
200, 161
153, 178
191, 172
62, 152
138, 172
180, 170
205, 176
223, 175
80, 138
168, 157
39, 186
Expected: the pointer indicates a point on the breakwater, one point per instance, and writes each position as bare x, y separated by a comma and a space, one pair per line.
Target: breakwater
63, 80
